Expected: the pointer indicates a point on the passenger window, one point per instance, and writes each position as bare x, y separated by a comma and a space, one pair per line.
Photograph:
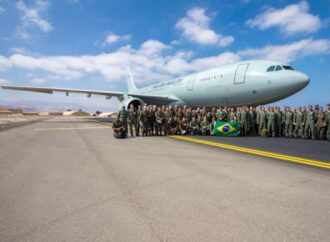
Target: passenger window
271, 68
278, 68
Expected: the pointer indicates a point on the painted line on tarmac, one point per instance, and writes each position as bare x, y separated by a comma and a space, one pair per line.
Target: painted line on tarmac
56, 129
289, 158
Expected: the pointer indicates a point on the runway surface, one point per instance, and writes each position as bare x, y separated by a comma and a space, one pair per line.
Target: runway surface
68, 179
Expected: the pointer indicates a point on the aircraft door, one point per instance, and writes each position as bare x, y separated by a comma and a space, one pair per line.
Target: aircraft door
190, 83
240, 73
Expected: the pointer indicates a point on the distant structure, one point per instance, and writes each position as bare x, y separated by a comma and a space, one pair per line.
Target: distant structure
106, 114
11, 112
46, 113
76, 113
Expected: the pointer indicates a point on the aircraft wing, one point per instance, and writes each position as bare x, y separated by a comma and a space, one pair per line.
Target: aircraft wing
51, 90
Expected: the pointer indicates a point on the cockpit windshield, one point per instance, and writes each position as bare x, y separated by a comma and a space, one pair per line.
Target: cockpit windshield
288, 68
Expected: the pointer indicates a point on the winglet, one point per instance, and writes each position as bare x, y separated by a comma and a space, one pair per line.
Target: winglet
130, 82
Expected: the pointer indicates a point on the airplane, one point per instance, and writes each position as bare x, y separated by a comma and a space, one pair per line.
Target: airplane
253, 83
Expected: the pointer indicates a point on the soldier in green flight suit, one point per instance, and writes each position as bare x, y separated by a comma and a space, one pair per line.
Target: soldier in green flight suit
328, 122
288, 117
271, 122
299, 123
262, 119
310, 123
252, 122
221, 115
232, 115
122, 116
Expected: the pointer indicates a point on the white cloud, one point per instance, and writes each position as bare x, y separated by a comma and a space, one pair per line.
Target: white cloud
195, 26
31, 17
288, 52
2, 9
38, 81
153, 61
292, 19
4, 81
112, 38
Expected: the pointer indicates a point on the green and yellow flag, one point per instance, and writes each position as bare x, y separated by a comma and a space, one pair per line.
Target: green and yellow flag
226, 128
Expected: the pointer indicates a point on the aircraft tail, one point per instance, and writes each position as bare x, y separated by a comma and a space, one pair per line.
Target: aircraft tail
130, 82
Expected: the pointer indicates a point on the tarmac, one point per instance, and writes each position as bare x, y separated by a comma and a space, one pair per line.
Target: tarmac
68, 179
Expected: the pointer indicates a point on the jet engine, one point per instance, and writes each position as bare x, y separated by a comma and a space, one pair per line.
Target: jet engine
128, 100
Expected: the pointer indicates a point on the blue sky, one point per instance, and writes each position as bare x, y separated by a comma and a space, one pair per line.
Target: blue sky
86, 44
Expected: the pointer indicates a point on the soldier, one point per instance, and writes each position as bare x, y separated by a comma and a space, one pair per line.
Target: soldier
310, 123
288, 116
252, 121
167, 119
321, 124
122, 115
193, 126
205, 126
179, 114
271, 122
139, 113
145, 116
188, 114
221, 115
212, 124
278, 122
152, 119
244, 122
159, 121
174, 126
262, 120
328, 122
232, 115
299, 123
132, 119
118, 129
183, 126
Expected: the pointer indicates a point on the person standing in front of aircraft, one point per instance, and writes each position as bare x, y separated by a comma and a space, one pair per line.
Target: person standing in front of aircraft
278, 121
159, 121
321, 124
123, 118
252, 123
138, 120
299, 123
288, 116
145, 121
271, 122
262, 121
310, 123
132, 119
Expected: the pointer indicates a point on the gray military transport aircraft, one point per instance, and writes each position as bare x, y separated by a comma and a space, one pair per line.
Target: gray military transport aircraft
254, 82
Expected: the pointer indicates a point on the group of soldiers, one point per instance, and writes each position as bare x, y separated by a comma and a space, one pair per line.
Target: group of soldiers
309, 123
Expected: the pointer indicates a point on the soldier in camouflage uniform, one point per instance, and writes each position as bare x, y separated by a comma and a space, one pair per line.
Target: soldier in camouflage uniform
232, 115
145, 119
205, 126
321, 124
122, 116
132, 119
278, 122
159, 124
252, 122
309, 123
193, 126
139, 112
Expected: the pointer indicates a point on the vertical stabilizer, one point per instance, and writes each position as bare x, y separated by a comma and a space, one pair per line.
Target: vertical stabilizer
130, 82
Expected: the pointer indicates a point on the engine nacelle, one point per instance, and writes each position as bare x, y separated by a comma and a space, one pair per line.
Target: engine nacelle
128, 100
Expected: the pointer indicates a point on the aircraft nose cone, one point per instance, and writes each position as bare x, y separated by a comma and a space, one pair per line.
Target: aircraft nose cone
302, 79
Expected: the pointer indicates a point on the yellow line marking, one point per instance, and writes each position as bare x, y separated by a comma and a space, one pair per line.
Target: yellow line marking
50, 129
294, 159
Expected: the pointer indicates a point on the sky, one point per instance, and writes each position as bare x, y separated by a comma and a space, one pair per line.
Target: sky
87, 44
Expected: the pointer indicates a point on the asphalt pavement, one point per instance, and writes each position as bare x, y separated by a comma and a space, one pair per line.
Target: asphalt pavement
68, 179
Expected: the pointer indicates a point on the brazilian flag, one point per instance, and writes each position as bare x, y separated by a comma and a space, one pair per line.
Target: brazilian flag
226, 128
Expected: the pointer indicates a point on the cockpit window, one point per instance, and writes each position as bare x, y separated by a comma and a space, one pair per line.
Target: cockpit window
288, 68
271, 68
278, 68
